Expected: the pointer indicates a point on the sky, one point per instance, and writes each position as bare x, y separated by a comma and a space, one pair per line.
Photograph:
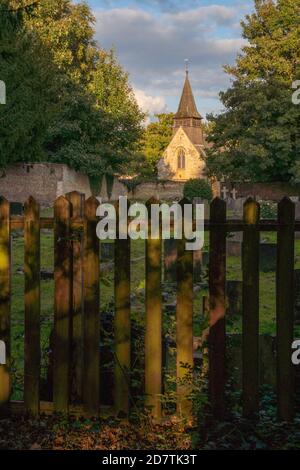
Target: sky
153, 38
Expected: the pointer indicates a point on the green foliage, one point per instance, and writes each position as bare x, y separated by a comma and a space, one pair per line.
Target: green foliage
268, 210
195, 187
121, 120
156, 138
67, 30
256, 138
69, 101
32, 84
238, 433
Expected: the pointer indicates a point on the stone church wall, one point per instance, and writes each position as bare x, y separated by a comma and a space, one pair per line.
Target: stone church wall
168, 165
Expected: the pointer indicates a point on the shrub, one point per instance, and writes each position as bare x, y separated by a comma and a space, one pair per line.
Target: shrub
268, 210
197, 188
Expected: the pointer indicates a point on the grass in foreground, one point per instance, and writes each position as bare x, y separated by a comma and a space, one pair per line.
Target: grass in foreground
267, 299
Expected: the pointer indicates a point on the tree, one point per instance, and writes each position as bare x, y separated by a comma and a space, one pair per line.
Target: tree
122, 118
156, 138
257, 136
199, 188
100, 123
75, 105
32, 86
67, 29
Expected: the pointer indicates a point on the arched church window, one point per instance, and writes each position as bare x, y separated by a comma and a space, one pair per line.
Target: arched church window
181, 159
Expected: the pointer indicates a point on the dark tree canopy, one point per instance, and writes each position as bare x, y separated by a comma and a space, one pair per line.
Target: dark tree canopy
256, 137
69, 101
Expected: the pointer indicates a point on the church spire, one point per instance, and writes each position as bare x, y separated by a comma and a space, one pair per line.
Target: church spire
187, 106
187, 116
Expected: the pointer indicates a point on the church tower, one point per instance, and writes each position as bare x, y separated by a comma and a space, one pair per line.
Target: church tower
187, 115
184, 158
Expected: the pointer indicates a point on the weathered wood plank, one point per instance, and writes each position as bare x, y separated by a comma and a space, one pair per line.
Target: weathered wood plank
232, 225
5, 301
153, 335
285, 309
91, 276
184, 324
122, 326
32, 348
77, 206
217, 282
62, 305
250, 304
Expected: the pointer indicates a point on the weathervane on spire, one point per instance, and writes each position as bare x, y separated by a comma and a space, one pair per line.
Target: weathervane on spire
187, 62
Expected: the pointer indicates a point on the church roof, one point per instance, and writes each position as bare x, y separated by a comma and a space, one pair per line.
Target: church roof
187, 106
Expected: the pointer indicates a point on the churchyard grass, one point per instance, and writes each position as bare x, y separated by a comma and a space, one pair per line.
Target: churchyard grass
267, 299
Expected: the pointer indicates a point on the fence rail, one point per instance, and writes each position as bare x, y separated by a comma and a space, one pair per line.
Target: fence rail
77, 272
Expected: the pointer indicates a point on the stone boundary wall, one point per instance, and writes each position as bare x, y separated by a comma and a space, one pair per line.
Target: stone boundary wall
173, 190
265, 191
44, 181
165, 191
47, 181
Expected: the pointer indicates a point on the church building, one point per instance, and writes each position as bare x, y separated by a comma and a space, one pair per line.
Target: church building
184, 158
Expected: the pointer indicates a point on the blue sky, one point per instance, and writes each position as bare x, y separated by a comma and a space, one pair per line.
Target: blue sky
152, 39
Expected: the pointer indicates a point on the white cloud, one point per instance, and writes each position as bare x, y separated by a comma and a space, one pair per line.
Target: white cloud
153, 48
210, 15
150, 104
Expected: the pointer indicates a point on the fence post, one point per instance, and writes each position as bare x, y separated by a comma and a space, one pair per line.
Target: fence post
153, 334
32, 351
251, 309
62, 305
91, 276
184, 322
122, 328
5, 290
217, 281
77, 203
285, 309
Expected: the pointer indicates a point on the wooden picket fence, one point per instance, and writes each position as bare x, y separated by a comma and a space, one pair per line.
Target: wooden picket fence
77, 320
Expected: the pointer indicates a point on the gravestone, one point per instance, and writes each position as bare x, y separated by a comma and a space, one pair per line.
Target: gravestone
297, 210
235, 206
235, 236
297, 295
230, 204
170, 260
107, 251
234, 290
234, 244
233, 247
267, 257
16, 208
